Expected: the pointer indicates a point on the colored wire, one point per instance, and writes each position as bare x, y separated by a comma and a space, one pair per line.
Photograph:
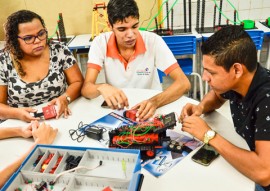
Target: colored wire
55, 31
237, 15
160, 9
166, 15
150, 13
73, 169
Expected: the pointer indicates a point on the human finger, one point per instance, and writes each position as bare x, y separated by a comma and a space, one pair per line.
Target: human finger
149, 114
125, 99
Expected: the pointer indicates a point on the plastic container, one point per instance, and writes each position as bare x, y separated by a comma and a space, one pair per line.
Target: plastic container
248, 24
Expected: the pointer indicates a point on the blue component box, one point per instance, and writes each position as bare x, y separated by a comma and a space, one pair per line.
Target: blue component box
67, 168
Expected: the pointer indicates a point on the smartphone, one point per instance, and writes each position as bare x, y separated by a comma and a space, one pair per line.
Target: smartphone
205, 155
104, 105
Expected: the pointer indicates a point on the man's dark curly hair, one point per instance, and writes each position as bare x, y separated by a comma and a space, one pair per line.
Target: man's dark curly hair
231, 44
12, 31
119, 10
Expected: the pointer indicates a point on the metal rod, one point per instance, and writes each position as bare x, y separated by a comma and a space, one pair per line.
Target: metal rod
189, 14
219, 20
214, 20
167, 13
172, 22
198, 14
185, 16
203, 14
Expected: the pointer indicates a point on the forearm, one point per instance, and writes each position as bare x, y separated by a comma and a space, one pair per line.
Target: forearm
10, 132
7, 112
246, 162
172, 93
90, 90
74, 90
11, 168
211, 102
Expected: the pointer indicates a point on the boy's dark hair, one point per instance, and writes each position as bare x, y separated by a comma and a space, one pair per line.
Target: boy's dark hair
12, 30
119, 10
231, 44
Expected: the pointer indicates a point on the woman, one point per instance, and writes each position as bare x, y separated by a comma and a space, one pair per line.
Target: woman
34, 71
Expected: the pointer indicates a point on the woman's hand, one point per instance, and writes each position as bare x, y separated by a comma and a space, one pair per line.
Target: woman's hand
24, 114
61, 104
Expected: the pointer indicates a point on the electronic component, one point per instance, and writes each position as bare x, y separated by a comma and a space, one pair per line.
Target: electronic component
145, 136
131, 114
48, 112
56, 164
38, 159
175, 146
94, 132
46, 162
41, 186
72, 162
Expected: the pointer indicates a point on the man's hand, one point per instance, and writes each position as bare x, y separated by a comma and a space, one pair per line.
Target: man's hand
195, 126
44, 133
190, 110
115, 98
146, 109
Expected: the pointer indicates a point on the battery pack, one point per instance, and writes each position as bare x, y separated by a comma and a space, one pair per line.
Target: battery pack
49, 112
94, 133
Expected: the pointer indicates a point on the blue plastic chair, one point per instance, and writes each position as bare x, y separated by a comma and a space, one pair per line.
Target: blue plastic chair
185, 45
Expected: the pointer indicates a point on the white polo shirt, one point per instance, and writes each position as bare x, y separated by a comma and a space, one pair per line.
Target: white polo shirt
151, 52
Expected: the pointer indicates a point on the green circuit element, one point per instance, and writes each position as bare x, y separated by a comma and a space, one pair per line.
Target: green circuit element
248, 24
237, 14
268, 21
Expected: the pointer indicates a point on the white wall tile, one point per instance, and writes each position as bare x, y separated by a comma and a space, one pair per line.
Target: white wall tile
266, 4
243, 4
247, 9
255, 14
265, 13
244, 14
256, 4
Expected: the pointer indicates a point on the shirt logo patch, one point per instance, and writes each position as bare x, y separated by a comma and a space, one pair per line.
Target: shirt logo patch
144, 72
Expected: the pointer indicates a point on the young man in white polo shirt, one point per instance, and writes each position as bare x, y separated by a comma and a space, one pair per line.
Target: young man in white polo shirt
130, 59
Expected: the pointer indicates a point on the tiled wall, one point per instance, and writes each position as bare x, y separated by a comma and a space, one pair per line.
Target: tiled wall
248, 9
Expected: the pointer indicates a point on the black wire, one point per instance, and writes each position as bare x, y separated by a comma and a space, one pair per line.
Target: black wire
150, 12
79, 133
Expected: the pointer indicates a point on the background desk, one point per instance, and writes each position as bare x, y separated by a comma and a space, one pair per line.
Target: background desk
186, 175
80, 44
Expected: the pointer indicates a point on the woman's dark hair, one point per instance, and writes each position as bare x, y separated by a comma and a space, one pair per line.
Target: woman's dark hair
12, 30
231, 44
119, 10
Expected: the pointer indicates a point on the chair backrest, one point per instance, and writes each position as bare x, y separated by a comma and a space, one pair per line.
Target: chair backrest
182, 44
257, 37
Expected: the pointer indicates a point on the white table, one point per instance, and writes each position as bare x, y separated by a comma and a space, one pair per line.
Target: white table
186, 175
80, 42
